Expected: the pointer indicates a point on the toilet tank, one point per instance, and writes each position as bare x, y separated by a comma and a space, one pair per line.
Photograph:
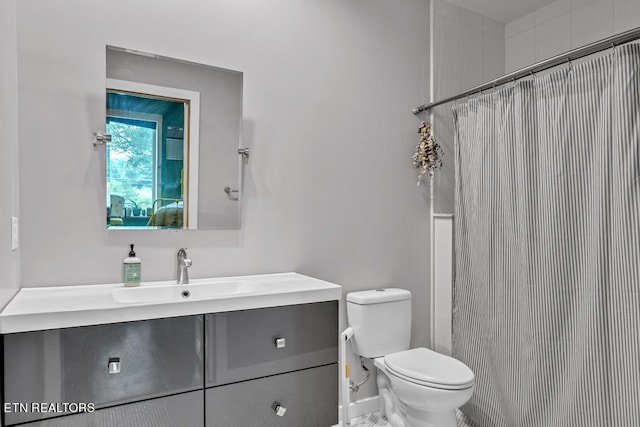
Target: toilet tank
381, 321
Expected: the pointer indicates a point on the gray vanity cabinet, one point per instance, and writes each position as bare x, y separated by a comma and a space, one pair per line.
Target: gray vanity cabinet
180, 410
263, 367
274, 366
242, 345
306, 398
102, 364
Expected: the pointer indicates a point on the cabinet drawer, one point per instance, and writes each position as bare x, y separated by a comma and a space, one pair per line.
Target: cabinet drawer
250, 344
156, 357
184, 410
310, 398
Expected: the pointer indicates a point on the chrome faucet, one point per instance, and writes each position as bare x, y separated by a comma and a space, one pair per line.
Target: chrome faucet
183, 264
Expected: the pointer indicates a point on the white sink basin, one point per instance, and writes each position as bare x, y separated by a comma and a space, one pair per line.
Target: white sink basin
146, 293
52, 307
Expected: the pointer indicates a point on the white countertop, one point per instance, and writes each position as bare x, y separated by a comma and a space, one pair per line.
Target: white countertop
56, 307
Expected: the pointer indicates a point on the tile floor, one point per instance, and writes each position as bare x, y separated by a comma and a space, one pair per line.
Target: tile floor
375, 419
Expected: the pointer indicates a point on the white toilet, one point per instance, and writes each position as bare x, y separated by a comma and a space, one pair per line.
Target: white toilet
418, 387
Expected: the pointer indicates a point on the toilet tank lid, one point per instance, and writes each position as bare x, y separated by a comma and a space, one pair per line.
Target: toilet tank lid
378, 296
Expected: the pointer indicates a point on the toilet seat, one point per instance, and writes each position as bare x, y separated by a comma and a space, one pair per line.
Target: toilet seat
430, 369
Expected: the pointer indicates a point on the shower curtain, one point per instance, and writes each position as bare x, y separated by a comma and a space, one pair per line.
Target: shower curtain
547, 241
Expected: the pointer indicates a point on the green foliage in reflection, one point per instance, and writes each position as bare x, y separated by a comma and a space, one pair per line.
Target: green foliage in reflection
130, 163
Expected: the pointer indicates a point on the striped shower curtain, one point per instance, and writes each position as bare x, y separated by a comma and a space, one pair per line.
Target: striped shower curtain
547, 243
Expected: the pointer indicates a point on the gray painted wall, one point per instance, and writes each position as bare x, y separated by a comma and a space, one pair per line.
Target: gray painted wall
329, 190
9, 260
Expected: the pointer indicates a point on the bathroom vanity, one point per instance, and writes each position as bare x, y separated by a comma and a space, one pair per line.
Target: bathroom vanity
250, 351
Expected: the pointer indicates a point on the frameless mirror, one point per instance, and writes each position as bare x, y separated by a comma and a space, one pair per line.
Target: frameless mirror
173, 159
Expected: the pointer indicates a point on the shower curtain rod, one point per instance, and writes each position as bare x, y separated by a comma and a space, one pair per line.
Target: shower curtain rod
564, 58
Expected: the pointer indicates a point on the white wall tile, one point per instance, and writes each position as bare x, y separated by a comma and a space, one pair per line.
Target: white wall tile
444, 182
447, 56
520, 51
447, 10
626, 15
493, 28
443, 336
552, 11
527, 22
553, 37
470, 50
493, 58
591, 22
577, 3
588, 21
472, 19
443, 266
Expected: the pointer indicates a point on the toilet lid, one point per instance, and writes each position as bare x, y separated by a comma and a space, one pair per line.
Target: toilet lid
423, 366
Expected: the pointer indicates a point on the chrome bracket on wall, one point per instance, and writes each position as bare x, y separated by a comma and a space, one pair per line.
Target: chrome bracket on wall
228, 190
100, 138
244, 152
231, 192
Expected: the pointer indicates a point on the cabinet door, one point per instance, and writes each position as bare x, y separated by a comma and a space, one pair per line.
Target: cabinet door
243, 345
184, 410
306, 398
103, 364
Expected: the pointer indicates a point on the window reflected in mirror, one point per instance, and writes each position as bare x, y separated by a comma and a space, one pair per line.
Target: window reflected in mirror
146, 159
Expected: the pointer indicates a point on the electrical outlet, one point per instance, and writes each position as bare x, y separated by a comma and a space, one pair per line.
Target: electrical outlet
14, 233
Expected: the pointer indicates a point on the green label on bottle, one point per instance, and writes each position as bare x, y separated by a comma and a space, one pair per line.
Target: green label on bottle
131, 273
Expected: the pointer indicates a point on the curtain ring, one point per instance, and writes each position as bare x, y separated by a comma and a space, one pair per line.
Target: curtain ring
570, 64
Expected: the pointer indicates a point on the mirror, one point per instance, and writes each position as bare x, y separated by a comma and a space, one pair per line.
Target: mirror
173, 160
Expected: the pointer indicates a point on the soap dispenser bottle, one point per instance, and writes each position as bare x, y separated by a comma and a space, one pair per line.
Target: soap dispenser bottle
132, 269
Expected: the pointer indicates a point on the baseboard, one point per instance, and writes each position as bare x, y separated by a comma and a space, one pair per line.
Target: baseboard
360, 407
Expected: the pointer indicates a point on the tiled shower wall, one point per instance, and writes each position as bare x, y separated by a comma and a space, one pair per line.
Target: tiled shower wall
564, 25
468, 50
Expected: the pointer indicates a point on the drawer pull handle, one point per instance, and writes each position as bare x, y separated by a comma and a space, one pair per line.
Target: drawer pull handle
280, 343
114, 365
279, 409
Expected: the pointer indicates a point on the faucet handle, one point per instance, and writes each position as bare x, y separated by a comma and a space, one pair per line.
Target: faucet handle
187, 262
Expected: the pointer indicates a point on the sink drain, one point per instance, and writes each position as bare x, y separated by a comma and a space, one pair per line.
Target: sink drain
185, 294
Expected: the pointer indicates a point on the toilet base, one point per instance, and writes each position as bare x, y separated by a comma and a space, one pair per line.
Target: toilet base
431, 419
401, 415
